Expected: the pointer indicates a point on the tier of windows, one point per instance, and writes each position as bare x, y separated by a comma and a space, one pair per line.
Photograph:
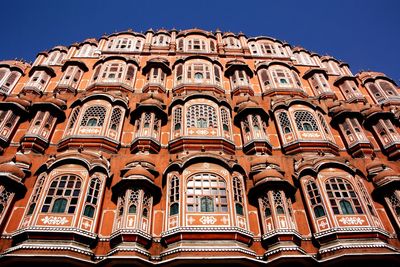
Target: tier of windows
232, 43
8, 123
71, 77
86, 50
96, 118
196, 44
352, 132
201, 119
276, 77
302, 124
38, 81
320, 84
55, 58
276, 211
125, 44
197, 72
264, 48
156, 76
115, 71
6, 197
340, 197
161, 40
134, 210
383, 91
350, 91
253, 128
386, 132
8, 79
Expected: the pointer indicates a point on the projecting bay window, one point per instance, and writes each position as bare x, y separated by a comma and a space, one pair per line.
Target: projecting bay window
383, 91
8, 79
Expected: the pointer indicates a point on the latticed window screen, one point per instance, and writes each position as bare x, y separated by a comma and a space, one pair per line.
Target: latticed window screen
238, 195
284, 122
278, 201
63, 194
201, 116
266, 206
74, 116
4, 198
115, 119
35, 195
323, 123
305, 121
12, 119
94, 116
225, 119
133, 201
178, 118
342, 197
147, 204
206, 193
92, 197
315, 199
174, 196
147, 120
394, 200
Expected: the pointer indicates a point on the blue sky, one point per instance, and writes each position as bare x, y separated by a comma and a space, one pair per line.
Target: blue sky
364, 33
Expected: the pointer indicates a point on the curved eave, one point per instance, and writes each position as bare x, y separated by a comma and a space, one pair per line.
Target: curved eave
59, 110
78, 63
136, 181
161, 64
183, 60
47, 69
312, 71
100, 95
342, 79
127, 60
232, 66
143, 107
250, 110
186, 98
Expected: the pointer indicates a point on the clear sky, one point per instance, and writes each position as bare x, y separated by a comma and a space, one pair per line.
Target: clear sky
364, 33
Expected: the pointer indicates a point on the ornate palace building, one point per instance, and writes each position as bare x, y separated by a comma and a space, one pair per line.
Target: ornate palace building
177, 148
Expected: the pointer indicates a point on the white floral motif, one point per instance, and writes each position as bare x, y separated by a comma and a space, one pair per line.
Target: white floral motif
352, 220
54, 220
202, 132
208, 219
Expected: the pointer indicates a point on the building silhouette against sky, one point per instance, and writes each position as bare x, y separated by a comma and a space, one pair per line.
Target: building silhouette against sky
175, 148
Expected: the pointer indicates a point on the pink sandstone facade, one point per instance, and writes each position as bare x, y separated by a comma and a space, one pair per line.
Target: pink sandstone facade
176, 148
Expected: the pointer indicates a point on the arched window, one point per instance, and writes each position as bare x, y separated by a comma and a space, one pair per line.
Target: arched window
305, 121
205, 193
201, 116
342, 197
174, 196
63, 194
388, 88
94, 116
